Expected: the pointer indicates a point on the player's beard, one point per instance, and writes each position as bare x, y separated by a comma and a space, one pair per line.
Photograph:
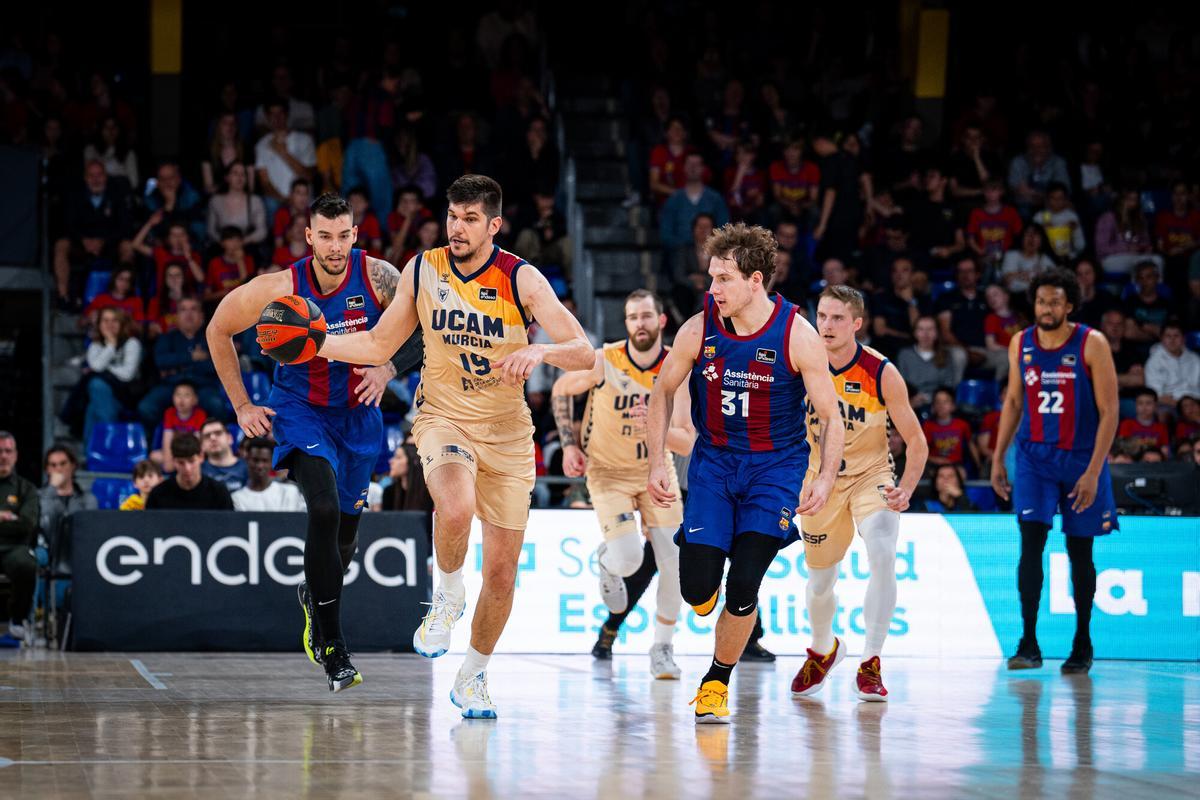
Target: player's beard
325, 265
644, 343
1053, 325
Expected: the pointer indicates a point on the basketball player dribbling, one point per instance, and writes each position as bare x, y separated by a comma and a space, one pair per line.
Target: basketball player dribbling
324, 416
1062, 405
752, 360
473, 428
865, 494
614, 455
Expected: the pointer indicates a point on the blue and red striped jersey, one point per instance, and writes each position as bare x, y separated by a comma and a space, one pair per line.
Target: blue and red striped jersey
1060, 405
745, 394
351, 307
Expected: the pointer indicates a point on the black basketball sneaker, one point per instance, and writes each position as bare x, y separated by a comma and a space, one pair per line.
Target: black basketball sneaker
602, 649
1080, 659
310, 639
1029, 655
338, 669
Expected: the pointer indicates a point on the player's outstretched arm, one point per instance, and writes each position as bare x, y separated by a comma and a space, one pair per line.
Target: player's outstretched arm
398, 321
562, 404
571, 349
237, 311
916, 448
1010, 415
1097, 354
681, 436
673, 373
810, 360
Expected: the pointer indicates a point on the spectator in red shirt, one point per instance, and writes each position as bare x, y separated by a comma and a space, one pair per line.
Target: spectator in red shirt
795, 182
370, 233
1187, 418
403, 222
745, 183
1144, 430
230, 269
949, 437
162, 311
1177, 229
999, 326
184, 415
991, 230
119, 294
295, 246
299, 196
177, 249
666, 161
985, 439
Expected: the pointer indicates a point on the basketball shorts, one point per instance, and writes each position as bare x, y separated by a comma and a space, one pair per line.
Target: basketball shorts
617, 494
734, 493
827, 534
1043, 478
499, 455
348, 438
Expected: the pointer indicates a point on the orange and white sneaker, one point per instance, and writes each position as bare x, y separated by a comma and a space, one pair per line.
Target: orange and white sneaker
870, 682
811, 677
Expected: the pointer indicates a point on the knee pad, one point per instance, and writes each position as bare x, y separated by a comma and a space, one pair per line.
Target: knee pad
748, 564
700, 570
624, 554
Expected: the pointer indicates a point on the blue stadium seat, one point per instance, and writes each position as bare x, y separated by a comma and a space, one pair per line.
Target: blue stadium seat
393, 437
97, 282
978, 395
111, 492
1193, 341
116, 447
258, 386
983, 497
941, 288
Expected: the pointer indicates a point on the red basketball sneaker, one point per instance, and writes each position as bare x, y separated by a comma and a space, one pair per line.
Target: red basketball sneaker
811, 676
870, 682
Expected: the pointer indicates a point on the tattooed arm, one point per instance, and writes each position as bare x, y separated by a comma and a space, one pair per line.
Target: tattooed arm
395, 291
562, 402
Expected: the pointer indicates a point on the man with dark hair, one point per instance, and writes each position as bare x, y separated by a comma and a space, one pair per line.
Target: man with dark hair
98, 224
839, 210
260, 492
1148, 309
18, 526
180, 356
189, 489
473, 428
220, 462
961, 312
675, 218
1062, 405
896, 310
61, 497
323, 416
754, 366
1172, 370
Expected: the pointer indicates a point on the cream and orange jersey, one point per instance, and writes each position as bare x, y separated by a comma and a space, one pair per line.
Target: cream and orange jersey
859, 387
612, 438
469, 321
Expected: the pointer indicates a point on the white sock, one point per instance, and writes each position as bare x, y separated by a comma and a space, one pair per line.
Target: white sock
663, 631
822, 605
879, 532
451, 583
475, 663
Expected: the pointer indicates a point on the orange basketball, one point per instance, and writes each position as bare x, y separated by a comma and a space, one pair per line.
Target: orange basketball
291, 329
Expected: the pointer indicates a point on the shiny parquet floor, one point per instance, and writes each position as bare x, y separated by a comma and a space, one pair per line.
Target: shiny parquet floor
228, 726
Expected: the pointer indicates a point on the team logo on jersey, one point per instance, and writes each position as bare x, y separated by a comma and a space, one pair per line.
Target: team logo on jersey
785, 518
1068, 360
710, 372
765, 356
355, 301
1028, 358
443, 277
853, 387
710, 350
443, 293
487, 293
1031, 376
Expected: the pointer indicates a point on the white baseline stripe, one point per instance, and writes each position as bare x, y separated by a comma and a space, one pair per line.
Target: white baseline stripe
150, 677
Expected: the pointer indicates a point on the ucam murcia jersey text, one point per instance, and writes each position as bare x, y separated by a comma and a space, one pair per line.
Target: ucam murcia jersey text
745, 394
612, 438
859, 386
351, 307
1060, 403
469, 321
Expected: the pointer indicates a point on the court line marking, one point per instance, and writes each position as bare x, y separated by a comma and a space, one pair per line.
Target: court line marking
150, 677
1166, 674
4, 762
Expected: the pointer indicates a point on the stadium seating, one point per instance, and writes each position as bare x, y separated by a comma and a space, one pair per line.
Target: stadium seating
975, 396
393, 437
1193, 341
258, 386
97, 283
940, 288
111, 492
983, 497
116, 447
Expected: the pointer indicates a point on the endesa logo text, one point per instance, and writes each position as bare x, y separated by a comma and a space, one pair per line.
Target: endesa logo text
120, 559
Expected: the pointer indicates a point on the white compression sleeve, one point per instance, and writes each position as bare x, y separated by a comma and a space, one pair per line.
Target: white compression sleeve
666, 556
822, 605
623, 554
879, 532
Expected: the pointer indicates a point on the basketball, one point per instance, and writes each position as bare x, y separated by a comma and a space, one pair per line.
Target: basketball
291, 329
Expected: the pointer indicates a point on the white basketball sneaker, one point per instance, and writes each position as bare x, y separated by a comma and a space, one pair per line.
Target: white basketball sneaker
471, 695
612, 587
662, 662
432, 638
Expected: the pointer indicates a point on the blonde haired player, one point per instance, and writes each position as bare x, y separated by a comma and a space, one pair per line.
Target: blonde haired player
870, 390
614, 455
473, 428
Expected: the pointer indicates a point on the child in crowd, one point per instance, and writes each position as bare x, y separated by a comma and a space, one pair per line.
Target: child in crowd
949, 437
296, 246
183, 416
992, 230
146, 475
230, 269
370, 233
999, 326
299, 197
1061, 224
1144, 431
